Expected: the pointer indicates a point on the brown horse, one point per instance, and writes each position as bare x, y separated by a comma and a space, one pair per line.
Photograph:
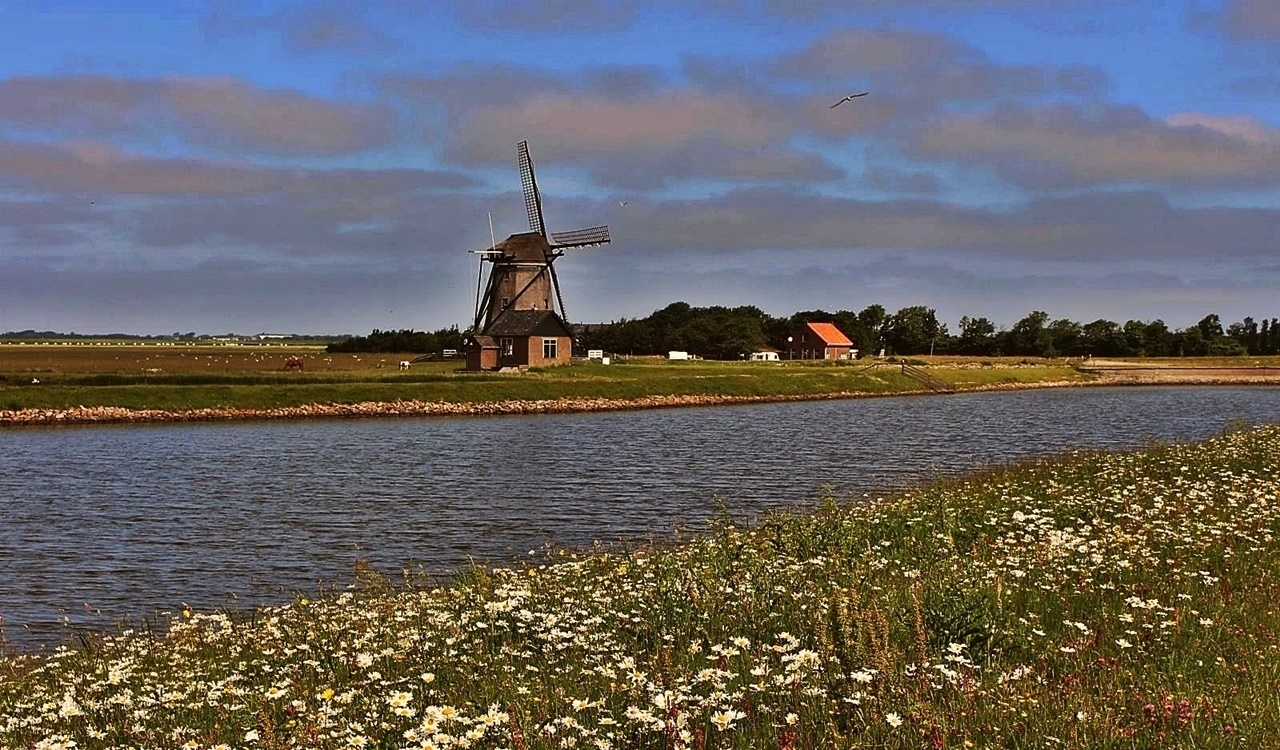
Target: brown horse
293, 363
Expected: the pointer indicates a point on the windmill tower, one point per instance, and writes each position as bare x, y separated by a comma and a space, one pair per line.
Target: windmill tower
522, 273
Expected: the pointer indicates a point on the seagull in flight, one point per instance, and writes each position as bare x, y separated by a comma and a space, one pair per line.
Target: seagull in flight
850, 97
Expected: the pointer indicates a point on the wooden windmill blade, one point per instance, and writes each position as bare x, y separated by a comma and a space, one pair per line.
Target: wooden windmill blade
532, 201
484, 303
588, 237
555, 284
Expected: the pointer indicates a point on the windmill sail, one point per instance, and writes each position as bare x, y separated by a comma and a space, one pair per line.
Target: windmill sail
580, 237
522, 273
532, 201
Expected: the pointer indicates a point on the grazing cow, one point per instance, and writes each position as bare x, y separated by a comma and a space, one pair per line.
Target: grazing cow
405, 364
293, 363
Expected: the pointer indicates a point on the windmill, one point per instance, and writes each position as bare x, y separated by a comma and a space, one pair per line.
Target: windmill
522, 273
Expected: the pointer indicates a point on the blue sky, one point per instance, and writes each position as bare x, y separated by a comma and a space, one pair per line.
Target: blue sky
323, 167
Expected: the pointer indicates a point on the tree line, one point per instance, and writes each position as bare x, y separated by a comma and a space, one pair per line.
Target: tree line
404, 340
735, 332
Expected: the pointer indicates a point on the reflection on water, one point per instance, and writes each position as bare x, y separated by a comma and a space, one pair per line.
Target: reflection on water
102, 523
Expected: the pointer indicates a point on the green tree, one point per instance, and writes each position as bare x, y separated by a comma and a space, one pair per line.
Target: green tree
1158, 340
913, 330
1210, 327
1133, 338
1103, 338
977, 336
1030, 337
871, 323
1066, 337
1245, 333
1191, 342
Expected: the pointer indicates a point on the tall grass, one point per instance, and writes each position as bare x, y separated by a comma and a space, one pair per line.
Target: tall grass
1098, 600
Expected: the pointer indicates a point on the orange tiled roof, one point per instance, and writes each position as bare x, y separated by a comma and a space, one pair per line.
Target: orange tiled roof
830, 335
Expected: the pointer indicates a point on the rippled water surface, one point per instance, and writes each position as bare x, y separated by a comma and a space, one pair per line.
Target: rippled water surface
102, 523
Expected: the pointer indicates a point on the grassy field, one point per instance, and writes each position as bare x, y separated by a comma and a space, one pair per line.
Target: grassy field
182, 377
1094, 601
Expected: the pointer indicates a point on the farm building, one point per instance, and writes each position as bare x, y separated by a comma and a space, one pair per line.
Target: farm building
516, 323
820, 341
521, 338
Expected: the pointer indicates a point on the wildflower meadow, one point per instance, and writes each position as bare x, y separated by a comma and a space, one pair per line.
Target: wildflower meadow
1093, 600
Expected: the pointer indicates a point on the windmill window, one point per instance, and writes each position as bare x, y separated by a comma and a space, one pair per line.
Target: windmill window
506, 302
508, 346
549, 348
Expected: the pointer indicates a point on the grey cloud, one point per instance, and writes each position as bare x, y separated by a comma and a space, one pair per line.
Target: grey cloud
893, 180
931, 67
821, 9
97, 168
913, 76
333, 29
683, 129
623, 82
809, 8
1063, 147
920, 69
304, 28
224, 113
240, 296
713, 161
1262, 86
586, 130
1259, 19
1099, 226
14, 213
89, 104
471, 84
562, 16
857, 52
375, 232
606, 116
94, 168
234, 115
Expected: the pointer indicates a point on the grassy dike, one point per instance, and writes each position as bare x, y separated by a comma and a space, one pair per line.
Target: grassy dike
1122, 600
70, 396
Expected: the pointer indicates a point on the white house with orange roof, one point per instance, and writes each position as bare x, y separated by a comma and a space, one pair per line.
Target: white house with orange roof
820, 341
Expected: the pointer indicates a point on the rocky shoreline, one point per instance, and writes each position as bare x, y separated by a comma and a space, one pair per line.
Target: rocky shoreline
119, 415
116, 415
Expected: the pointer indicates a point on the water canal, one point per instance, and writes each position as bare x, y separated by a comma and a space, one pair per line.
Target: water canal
100, 523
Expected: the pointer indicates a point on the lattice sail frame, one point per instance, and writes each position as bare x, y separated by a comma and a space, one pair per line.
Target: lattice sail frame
581, 237
532, 201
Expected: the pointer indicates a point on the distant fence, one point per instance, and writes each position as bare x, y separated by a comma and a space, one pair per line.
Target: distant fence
929, 381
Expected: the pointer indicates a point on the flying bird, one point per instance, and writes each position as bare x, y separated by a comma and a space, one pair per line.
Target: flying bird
850, 97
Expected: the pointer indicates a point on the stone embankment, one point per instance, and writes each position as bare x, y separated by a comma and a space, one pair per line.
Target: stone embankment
116, 415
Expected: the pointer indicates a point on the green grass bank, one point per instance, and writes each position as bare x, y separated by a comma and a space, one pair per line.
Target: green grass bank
1124, 600
241, 392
